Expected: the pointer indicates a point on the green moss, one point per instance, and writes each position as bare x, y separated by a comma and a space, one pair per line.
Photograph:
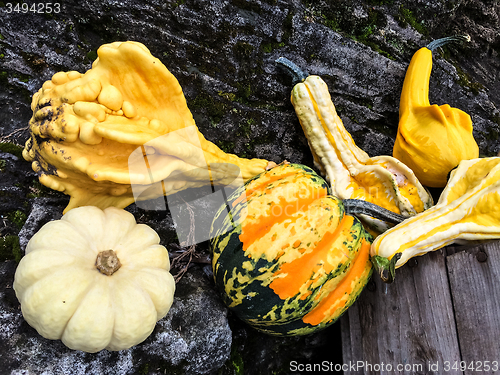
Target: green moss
331, 23
22, 77
3, 164
244, 130
244, 91
253, 142
2, 37
17, 217
243, 50
4, 77
496, 119
92, 55
237, 362
270, 47
144, 369
227, 95
266, 47
406, 17
11, 148
10, 248
226, 146
39, 190
213, 108
465, 80
339, 18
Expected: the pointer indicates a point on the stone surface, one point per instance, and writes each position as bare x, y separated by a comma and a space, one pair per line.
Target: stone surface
223, 52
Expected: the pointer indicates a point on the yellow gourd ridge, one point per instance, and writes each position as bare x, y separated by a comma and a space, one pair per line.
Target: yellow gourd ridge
431, 139
124, 122
352, 174
467, 210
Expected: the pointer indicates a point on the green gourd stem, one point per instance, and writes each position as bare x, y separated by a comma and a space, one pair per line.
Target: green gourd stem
297, 74
449, 39
386, 268
358, 206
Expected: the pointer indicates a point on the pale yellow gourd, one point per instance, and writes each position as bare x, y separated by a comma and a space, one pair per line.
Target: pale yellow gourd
95, 280
351, 172
468, 210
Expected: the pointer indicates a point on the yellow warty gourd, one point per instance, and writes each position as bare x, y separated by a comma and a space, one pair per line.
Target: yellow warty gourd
468, 209
124, 122
431, 139
351, 172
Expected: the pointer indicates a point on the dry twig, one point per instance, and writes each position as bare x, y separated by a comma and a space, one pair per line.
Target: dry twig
9, 137
189, 252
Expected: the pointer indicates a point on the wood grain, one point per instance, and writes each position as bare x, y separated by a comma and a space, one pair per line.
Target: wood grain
475, 286
409, 323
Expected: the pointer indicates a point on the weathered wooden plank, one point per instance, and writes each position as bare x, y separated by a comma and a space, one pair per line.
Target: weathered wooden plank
475, 286
407, 327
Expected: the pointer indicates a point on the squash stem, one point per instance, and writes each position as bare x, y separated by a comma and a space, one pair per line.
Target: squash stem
107, 262
449, 39
358, 206
297, 74
385, 268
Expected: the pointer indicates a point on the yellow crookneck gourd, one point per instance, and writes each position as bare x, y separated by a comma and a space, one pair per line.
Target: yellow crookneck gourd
431, 139
351, 172
468, 210
123, 122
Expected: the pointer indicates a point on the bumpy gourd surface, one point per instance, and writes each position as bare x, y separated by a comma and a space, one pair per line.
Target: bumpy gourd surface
431, 139
64, 296
123, 122
381, 180
468, 209
288, 261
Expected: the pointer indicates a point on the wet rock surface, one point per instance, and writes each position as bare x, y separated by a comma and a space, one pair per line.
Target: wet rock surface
223, 54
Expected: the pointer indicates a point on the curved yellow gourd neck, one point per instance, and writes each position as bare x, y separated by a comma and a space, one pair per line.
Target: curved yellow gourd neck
415, 91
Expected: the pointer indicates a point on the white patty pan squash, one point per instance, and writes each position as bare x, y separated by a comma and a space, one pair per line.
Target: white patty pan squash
95, 280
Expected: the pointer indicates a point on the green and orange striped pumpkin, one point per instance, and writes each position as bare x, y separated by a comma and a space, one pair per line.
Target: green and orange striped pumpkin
286, 257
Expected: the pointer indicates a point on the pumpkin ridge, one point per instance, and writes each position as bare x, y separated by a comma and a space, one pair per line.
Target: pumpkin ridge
317, 314
298, 272
251, 231
41, 309
249, 192
81, 297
